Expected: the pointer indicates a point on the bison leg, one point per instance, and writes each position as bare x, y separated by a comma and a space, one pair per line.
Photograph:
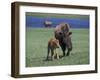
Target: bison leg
56, 54
52, 54
48, 52
63, 47
69, 51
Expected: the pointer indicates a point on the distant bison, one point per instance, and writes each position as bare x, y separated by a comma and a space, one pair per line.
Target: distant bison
63, 34
47, 23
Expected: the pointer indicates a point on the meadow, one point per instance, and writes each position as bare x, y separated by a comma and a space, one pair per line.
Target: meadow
36, 47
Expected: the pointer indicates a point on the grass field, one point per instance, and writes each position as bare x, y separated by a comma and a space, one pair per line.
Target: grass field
36, 47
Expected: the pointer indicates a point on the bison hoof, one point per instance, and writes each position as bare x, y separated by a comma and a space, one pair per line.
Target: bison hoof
67, 55
57, 57
64, 55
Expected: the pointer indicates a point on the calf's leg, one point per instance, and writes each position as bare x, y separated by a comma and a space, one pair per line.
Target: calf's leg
52, 54
56, 54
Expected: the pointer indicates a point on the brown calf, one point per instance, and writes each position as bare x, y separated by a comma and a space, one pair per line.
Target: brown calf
53, 44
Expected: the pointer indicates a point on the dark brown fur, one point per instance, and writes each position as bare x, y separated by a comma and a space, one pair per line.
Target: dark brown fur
63, 34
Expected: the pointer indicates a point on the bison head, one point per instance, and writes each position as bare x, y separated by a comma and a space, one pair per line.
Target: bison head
61, 30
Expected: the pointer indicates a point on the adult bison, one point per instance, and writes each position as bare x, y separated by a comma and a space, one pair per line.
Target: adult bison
63, 34
47, 23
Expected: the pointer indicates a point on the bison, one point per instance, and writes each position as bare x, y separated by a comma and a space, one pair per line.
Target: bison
53, 44
63, 34
47, 23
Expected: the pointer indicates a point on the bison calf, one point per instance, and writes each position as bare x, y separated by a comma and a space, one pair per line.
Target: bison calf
53, 44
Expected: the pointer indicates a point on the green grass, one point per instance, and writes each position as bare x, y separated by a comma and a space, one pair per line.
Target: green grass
36, 47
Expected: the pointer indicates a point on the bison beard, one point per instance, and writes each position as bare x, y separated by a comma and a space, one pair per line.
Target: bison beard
64, 36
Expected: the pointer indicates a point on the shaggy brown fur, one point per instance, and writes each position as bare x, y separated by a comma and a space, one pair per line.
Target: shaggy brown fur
62, 33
